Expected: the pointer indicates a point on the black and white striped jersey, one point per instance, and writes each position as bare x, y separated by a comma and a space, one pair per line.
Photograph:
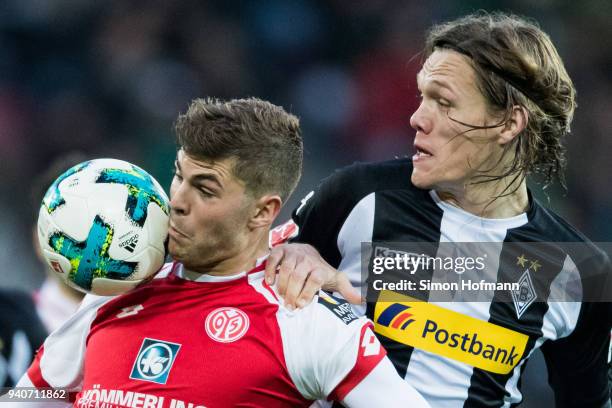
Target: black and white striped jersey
21, 333
469, 354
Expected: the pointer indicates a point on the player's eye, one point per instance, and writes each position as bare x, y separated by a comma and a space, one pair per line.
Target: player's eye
443, 102
205, 193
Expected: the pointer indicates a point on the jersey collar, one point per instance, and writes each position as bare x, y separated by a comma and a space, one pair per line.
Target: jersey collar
184, 273
463, 216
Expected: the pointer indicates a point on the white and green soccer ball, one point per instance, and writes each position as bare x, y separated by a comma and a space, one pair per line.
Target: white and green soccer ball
102, 226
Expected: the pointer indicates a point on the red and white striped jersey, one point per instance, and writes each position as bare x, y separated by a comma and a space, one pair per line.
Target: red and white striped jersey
204, 341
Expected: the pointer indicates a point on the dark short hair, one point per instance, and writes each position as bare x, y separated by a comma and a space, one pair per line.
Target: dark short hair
264, 139
517, 64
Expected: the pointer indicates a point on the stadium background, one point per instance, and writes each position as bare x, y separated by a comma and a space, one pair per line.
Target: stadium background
108, 78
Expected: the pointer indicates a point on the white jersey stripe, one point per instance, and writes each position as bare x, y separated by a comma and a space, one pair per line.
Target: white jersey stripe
458, 226
356, 229
58, 364
559, 315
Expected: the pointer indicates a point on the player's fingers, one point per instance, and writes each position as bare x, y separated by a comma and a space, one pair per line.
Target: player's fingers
274, 259
285, 269
296, 283
346, 289
313, 284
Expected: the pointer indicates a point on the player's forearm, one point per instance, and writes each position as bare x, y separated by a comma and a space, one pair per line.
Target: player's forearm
384, 388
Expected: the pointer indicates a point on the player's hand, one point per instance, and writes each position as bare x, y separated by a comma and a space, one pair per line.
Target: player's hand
302, 272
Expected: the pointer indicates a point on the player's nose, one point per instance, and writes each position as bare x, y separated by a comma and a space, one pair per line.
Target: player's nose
421, 120
178, 199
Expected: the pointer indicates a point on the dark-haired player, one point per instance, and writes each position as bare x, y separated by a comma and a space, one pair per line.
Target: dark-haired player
208, 331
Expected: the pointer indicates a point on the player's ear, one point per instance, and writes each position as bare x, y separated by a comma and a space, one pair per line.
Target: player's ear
514, 125
265, 211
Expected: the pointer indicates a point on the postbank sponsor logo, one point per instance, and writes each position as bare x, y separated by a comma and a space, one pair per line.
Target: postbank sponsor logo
447, 333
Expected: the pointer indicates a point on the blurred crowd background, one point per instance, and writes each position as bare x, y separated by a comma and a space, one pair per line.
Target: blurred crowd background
108, 78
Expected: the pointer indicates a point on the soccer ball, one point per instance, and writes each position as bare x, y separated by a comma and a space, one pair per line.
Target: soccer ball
102, 226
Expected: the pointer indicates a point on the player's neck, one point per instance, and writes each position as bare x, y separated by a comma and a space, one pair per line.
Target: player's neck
479, 199
243, 260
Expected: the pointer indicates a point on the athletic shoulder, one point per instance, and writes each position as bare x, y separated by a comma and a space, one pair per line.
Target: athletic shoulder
328, 349
591, 262
327, 316
360, 179
551, 227
321, 214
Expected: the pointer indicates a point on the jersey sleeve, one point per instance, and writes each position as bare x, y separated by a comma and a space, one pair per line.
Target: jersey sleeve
59, 361
578, 364
328, 349
384, 388
320, 215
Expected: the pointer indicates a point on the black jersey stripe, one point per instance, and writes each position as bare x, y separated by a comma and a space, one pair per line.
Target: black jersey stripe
402, 217
489, 389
